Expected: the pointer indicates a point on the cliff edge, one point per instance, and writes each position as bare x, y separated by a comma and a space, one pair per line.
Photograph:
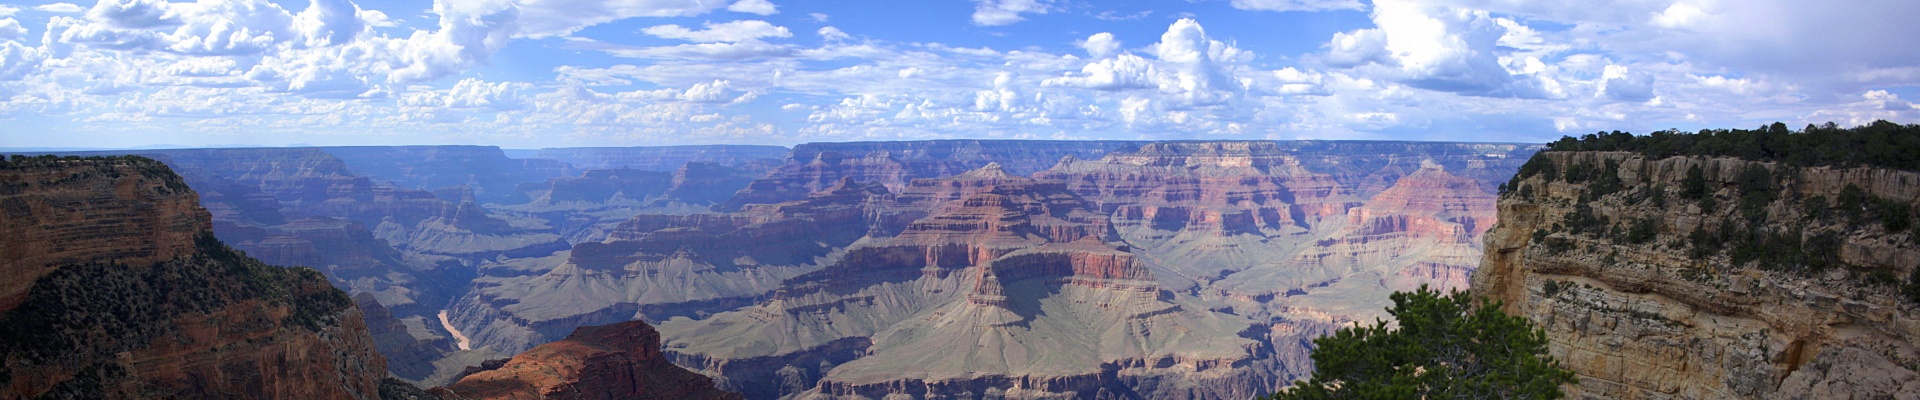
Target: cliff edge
1715, 272
112, 286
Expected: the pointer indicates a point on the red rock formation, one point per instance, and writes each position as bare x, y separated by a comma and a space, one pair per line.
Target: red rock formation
66, 212
618, 361
166, 310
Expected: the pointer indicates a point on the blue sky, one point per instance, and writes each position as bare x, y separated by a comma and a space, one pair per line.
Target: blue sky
550, 73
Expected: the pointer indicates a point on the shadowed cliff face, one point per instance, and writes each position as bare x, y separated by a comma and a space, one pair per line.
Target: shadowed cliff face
1746, 280
117, 288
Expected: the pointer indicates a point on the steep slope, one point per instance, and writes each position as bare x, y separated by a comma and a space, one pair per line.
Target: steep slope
1000, 284
116, 288
618, 361
1712, 277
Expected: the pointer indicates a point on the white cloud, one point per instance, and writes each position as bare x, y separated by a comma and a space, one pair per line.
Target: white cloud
735, 31
544, 18
818, 17
832, 34
762, 7
6, 11
59, 8
16, 60
1100, 45
1297, 5
1621, 84
1006, 12
11, 29
1441, 48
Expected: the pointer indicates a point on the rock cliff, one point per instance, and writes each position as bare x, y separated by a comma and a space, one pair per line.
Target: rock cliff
617, 361
116, 288
1712, 277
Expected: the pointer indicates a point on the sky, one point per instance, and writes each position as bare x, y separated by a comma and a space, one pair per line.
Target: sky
563, 73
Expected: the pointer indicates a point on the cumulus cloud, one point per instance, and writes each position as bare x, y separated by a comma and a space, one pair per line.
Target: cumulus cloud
11, 29
832, 34
59, 8
762, 7
1006, 12
1100, 45
1621, 84
1297, 5
16, 60
1441, 48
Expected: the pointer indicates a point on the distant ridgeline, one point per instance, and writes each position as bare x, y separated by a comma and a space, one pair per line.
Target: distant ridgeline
1724, 263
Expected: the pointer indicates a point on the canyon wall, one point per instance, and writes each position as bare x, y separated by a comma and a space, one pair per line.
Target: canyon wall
116, 288
1712, 277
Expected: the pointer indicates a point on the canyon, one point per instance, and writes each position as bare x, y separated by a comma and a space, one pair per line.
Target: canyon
1045, 269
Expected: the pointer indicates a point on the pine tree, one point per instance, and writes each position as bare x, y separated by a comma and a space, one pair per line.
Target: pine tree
1447, 346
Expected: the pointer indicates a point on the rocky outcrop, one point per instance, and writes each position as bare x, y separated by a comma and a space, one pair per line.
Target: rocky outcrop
153, 305
618, 361
1697, 277
67, 212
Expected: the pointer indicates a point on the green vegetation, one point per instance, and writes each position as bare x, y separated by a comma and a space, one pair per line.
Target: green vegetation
93, 311
1446, 346
1912, 289
1879, 144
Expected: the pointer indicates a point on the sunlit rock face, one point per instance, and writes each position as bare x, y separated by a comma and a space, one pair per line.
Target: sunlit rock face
617, 361
1646, 317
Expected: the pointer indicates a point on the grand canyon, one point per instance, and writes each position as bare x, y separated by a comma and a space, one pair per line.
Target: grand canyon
959, 199
1186, 269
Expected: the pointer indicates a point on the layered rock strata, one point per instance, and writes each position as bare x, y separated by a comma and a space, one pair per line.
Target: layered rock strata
118, 289
1697, 277
657, 266
1001, 286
